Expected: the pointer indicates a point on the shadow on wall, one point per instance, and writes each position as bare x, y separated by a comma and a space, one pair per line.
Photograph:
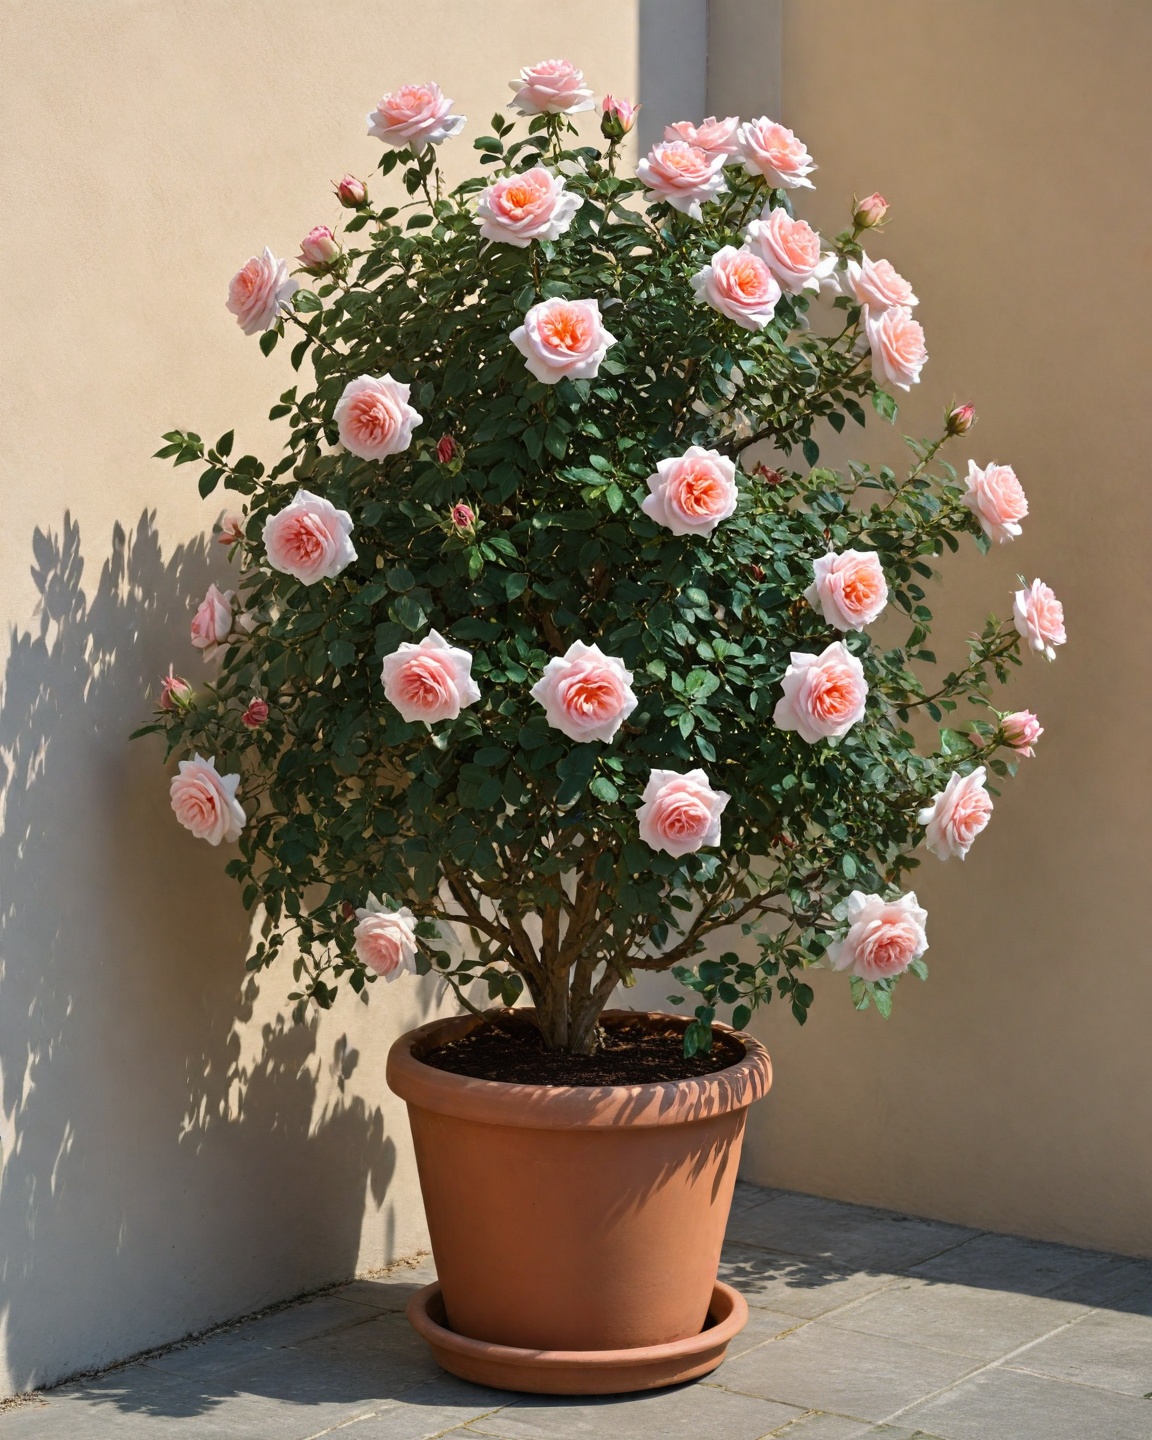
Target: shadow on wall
174, 1154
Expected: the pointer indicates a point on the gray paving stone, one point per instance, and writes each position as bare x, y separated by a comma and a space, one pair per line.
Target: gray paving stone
1002, 1262
427, 1410
391, 1290
851, 1234
763, 1325
1107, 1349
747, 1195
1007, 1405
864, 1377
1118, 1284
795, 1284
836, 1427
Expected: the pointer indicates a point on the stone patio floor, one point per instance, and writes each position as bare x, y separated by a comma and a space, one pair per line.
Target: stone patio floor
863, 1322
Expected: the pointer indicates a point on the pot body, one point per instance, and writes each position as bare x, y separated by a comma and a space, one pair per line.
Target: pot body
572, 1218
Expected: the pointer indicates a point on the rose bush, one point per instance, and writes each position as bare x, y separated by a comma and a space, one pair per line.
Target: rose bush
529, 645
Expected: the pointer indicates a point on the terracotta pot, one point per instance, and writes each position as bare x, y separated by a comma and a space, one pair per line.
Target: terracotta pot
571, 1218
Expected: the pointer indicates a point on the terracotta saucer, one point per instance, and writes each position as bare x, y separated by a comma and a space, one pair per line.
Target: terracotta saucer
579, 1372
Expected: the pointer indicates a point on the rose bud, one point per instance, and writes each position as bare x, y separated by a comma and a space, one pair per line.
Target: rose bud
445, 449
256, 714
231, 530
617, 117
347, 909
319, 248
175, 693
463, 516
767, 474
960, 420
757, 572
870, 212
1021, 730
351, 193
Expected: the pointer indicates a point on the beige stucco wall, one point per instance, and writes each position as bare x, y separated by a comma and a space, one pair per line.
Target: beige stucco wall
173, 1154
1014, 1089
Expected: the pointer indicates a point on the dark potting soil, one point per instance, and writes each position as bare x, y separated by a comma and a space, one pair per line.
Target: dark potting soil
629, 1052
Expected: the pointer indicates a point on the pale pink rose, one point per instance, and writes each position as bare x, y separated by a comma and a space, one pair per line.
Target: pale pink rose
532, 205
586, 694
386, 939
260, 291
563, 338
876, 284
374, 417
997, 499
957, 815
693, 492
680, 813
683, 175
553, 87
714, 137
1039, 617
430, 681
773, 151
791, 250
1021, 730
870, 212
175, 693
884, 936
205, 801
212, 623
823, 695
617, 117
309, 539
897, 344
231, 531
319, 248
256, 714
740, 285
849, 589
351, 193
414, 117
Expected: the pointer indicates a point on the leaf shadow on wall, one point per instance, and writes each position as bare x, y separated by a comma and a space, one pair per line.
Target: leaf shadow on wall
174, 1153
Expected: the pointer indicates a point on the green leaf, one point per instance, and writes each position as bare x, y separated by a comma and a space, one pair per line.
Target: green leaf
268, 341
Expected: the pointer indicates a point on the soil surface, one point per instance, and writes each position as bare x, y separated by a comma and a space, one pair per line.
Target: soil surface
630, 1052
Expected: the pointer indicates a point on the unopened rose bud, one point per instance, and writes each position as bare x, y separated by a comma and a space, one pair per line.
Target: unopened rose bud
347, 909
757, 572
319, 248
256, 714
231, 530
351, 193
175, 694
463, 516
960, 420
767, 474
870, 211
617, 117
1021, 730
445, 449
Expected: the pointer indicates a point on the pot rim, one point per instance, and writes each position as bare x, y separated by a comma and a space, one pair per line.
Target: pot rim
565, 1107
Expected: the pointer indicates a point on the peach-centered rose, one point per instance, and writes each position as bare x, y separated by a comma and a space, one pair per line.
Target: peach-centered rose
212, 623
563, 338
552, 87
533, 205
430, 681
1039, 617
693, 492
824, 694
957, 815
849, 589
414, 117
773, 151
204, 801
683, 175
1021, 730
997, 499
884, 936
309, 539
791, 250
740, 285
260, 291
680, 813
586, 694
714, 137
385, 940
374, 418
876, 284
897, 343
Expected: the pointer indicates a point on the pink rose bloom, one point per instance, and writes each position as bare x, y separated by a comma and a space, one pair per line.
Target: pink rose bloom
823, 695
319, 248
897, 343
876, 284
693, 492
1039, 617
791, 250
617, 117
386, 939
849, 590
430, 681
997, 499
414, 117
205, 801
683, 175
563, 337
586, 694
870, 211
258, 293
256, 714
309, 539
714, 137
212, 623
957, 815
553, 87
884, 936
175, 693
1021, 730
774, 151
374, 417
533, 205
680, 813
740, 285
